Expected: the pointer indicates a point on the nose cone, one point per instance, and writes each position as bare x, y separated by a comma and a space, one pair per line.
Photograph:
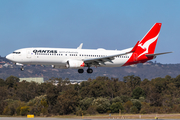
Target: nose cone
9, 57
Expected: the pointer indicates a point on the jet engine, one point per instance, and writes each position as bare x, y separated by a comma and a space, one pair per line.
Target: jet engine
74, 64
59, 66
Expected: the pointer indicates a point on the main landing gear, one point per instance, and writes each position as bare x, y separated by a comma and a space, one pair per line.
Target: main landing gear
80, 70
89, 70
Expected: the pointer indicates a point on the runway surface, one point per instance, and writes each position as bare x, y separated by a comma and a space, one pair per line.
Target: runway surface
20, 118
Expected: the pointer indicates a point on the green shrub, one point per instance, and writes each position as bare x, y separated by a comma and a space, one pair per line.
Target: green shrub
102, 104
24, 110
115, 107
91, 110
134, 110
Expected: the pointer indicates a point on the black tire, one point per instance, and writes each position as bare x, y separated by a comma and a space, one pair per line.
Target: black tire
89, 70
80, 70
22, 68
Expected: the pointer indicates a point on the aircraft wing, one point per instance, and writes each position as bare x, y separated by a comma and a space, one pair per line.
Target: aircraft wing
102, 60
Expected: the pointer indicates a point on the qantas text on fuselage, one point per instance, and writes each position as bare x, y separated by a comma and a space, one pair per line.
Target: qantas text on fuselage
79, 58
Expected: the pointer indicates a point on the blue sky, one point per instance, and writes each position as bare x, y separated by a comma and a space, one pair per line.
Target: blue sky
109, 24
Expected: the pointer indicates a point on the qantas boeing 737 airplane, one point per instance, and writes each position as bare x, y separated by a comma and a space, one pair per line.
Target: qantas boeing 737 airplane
80, 58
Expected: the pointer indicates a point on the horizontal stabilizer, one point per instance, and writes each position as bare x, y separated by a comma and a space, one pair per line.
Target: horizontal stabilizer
155, 54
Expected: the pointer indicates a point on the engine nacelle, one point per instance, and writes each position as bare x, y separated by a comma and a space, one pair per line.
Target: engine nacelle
59, 66
19, 64
75, 64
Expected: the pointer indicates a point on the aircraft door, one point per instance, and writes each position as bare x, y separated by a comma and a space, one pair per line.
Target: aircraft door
28, 53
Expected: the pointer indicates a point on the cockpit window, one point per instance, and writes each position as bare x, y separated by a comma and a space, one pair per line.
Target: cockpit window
16, 52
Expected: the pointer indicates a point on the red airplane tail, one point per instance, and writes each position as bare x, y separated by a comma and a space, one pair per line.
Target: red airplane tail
145, 47
148, 44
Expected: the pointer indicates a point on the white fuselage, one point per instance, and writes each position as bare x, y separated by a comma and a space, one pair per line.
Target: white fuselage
59, 56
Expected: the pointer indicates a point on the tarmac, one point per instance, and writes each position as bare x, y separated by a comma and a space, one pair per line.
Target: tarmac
21, 118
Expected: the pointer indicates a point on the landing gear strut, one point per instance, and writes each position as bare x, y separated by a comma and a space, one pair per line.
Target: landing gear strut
22, 68
80, 70
89, 70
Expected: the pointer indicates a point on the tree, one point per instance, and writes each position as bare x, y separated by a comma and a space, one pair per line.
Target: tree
145, 108
102, 104
155, 99
116, 99
85, 103
127, 106
132, 81
177, 81
24, 110
3, 93
26, 91
3, 104
12, 106
115, 107
160, 84
138, 92
38, 105
11, 81
138, 105
101, 95
101, 86
125, 98
134, 110
67, 102
52, 94
91, 110
2, 82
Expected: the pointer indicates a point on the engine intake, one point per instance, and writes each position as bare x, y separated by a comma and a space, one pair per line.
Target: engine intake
74, 64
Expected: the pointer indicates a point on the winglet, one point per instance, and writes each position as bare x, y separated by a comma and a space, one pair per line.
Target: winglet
135, 47
80, 46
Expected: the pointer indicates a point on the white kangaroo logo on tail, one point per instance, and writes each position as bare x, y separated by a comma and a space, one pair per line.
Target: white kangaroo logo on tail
147, 44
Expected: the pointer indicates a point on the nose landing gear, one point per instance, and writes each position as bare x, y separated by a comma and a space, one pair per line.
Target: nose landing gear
22, 68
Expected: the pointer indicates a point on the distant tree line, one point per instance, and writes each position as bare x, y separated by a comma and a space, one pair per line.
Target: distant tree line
100, 95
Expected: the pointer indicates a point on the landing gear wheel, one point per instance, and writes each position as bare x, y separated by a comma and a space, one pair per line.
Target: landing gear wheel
89, 70
80, 70
22, 68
